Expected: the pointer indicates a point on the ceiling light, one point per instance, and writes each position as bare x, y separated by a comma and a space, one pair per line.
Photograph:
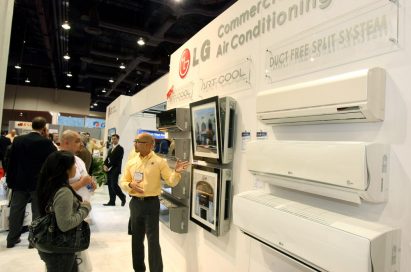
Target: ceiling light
103, 90
122, 66
27, 80
69, 74
66, 56
17, 66
66, 25
141, 41
111, 80
95, 104
68, 86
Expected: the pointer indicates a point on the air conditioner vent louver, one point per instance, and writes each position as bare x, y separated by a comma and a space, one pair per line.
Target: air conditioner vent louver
319, 239
353, 97
348, 171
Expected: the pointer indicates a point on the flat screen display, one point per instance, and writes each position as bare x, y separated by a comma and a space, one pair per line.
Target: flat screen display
205, 129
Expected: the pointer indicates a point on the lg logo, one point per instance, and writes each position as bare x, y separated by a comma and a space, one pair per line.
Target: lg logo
186, 58
184, 63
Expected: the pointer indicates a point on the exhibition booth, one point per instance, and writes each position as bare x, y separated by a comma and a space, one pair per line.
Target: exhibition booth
294, 117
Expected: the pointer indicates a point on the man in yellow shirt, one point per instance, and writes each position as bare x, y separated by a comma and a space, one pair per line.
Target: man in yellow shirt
142, 181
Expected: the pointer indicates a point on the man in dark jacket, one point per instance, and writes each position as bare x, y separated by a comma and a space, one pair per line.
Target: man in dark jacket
112, 165
27, 155
4, 144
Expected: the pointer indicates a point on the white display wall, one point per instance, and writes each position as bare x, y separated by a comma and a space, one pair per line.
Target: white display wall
125, 113
223, 49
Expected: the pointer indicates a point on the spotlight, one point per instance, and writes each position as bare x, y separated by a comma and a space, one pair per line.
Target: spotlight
66, 56
111, 80
17, 66
95, 104
104, 90
122, 66
66, 25
69, 74
68, 86
27, 80
141, 41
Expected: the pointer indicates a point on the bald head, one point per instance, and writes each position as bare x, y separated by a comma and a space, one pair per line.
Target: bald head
145, 137
144, 143
70, 141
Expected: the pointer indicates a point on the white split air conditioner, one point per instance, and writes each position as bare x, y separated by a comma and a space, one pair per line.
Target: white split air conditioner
353, 97
319, 239
349, 171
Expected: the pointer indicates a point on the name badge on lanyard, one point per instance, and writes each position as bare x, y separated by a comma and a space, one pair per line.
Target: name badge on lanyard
138, 176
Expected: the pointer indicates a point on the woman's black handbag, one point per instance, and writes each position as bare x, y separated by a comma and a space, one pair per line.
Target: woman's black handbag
45, 235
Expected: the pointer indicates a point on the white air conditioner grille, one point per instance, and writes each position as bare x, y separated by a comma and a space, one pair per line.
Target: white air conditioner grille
290, 207
317, 118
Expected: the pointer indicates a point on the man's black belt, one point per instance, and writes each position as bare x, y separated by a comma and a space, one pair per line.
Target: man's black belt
145, 198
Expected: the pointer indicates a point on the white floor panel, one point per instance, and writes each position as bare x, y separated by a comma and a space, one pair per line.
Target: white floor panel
110, 247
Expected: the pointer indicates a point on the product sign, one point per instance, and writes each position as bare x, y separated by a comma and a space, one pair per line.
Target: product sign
245, 138
23, 125
235, 78
180, 95
262, 135
369, 31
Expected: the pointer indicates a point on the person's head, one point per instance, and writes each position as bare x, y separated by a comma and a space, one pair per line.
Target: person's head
84, 140
13, 132
114, 139
87, 136
39, 124
54, 174
55, 138
144, 143
70, 141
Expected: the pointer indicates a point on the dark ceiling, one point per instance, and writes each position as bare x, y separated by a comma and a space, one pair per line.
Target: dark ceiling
103, 35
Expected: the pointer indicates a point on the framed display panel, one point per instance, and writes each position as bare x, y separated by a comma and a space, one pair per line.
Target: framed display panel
210, 201
205, 130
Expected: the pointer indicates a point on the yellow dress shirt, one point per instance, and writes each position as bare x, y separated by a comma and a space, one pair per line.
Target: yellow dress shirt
153, 169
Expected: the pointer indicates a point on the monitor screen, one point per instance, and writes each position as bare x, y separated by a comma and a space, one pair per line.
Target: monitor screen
205, 130
156, 134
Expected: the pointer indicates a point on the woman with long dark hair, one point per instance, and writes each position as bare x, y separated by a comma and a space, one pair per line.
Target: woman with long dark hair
54, 192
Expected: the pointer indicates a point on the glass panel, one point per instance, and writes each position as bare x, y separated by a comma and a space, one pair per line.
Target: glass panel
366, 32
233, 79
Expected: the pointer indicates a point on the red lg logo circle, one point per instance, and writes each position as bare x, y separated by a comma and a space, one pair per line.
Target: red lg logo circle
184, 63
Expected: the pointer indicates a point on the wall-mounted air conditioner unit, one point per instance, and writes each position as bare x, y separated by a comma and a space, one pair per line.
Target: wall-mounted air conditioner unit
177, 119
349, 171
319, 239
353, 97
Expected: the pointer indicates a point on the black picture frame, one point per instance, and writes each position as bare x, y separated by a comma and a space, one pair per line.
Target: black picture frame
205, 130
205, 197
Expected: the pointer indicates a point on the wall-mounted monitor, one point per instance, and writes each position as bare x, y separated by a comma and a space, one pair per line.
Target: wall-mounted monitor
212, 128
211, 195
